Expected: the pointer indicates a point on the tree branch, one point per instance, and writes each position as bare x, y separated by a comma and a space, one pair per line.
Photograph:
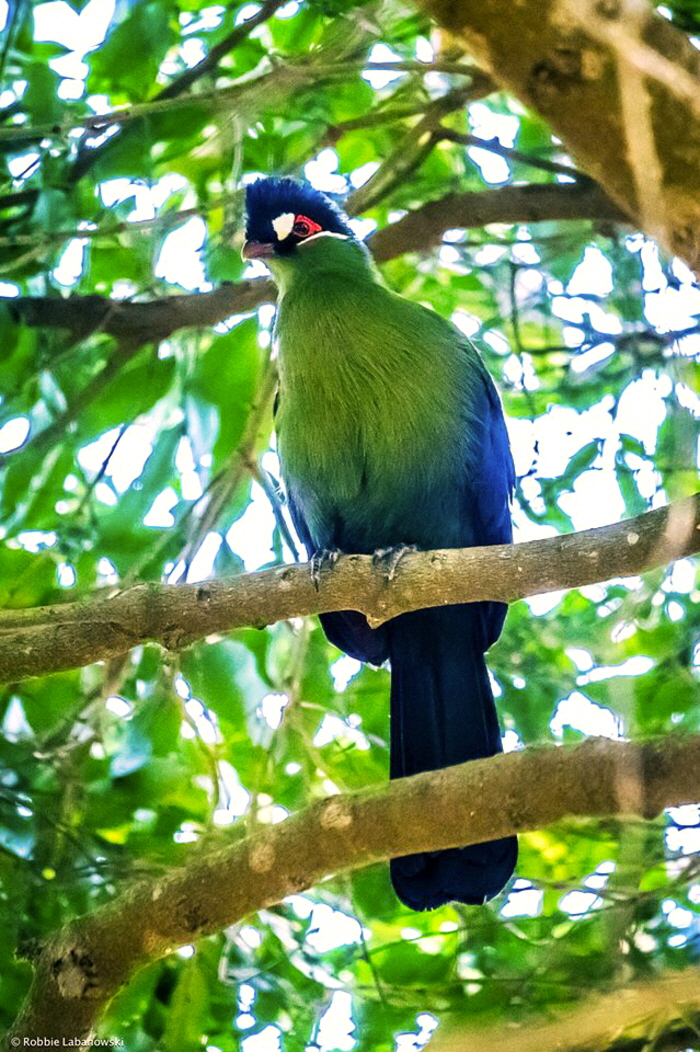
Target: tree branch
418, 231
301, 71
617, 82
423, 228
619, 1020
35, 642
409, 153
510, 154
81, 967
141, 322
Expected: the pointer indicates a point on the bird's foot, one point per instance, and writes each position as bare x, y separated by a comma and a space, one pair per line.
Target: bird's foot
323, 559
389, 558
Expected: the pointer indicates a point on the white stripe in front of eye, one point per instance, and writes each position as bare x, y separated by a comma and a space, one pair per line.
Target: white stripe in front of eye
283, 225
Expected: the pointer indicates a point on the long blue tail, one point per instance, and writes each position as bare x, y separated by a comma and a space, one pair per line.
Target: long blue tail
443, 713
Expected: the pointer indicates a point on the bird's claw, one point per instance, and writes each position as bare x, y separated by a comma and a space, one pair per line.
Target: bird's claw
389, 558
323, 559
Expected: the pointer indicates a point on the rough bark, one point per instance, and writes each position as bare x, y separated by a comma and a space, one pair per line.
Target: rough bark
617, 82
81, 967
422, 229
48, 639
140, 323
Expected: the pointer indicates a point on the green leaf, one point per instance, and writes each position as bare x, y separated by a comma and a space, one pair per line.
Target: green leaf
40, 96
52, 211
147, 32
635, 504
226, 376
123, 537
26, 578
631, 444
188, 1012
52, 700
580, 462
212, 672
136, 388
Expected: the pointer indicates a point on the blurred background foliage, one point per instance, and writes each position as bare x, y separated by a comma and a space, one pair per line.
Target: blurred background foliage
142, 459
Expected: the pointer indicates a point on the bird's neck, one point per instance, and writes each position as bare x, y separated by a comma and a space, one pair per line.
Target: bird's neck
323, 258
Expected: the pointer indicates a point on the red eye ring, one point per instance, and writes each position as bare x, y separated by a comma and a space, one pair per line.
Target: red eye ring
305, 227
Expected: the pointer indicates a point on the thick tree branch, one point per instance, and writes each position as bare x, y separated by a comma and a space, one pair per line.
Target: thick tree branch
619, 1020
423, 228
141, 322
617, 82
34, 642
80, 969
418, 231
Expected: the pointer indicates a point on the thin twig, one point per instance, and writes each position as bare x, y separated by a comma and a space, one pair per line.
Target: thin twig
511, 154
219, 98
239, 462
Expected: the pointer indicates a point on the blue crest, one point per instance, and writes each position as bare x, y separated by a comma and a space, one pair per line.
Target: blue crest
266, 199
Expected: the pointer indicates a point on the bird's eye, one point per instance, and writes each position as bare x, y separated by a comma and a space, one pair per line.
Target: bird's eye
305, 227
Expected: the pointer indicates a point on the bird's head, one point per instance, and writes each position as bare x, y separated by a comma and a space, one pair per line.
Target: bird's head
283, 214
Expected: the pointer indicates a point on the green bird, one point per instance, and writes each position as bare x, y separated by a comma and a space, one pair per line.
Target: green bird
391, 434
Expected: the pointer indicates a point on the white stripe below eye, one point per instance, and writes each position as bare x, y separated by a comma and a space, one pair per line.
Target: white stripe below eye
283, 225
